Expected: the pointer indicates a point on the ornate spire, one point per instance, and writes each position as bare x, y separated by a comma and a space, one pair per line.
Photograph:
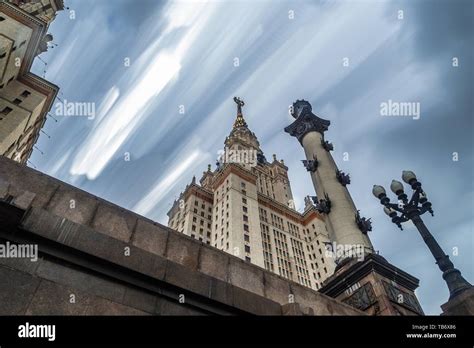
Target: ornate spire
239, 122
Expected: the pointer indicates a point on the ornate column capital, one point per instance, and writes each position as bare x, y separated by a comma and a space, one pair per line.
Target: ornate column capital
306, 121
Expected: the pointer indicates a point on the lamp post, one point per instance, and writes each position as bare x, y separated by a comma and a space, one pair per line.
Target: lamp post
412, 210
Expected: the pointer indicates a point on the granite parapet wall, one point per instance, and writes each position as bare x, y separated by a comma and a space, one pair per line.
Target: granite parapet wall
118, 262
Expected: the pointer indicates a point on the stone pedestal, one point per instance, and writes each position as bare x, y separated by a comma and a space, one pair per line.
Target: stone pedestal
462, 304
374, 286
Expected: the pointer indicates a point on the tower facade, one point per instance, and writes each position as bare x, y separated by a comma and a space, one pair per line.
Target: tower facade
42, 9
25, 99
245, 207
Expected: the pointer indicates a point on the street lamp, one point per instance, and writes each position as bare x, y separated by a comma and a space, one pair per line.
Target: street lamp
412, 210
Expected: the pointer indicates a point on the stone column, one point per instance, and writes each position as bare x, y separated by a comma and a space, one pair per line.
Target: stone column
309, 130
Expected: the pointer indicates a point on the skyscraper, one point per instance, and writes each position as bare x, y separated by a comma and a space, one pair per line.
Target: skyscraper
245, 207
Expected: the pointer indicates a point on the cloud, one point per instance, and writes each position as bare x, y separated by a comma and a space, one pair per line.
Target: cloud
105, 139
162, 188
156, 68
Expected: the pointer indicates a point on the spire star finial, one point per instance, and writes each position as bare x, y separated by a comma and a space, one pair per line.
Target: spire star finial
240, 103
239, 122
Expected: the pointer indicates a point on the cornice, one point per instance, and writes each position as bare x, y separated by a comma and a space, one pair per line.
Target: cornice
372, 263
200, 192
38, 27
233, 168
282, 209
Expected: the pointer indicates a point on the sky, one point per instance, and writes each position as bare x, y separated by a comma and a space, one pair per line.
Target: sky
161, 76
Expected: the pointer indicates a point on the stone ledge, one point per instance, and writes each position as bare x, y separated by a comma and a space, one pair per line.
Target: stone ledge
45, 224
296, 309
16, 291
150, 237
246, 276
114, 222
151, 245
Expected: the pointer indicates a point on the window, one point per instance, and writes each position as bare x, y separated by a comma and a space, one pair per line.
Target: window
244, 200
246, 218
247, 249
245, 209
246, 227
242, 184
6, 111
247, 258
196, 203
246, 238
193, 228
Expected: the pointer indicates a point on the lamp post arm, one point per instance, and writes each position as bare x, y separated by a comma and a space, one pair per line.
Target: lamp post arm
395, 207
432, 244
455, 281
